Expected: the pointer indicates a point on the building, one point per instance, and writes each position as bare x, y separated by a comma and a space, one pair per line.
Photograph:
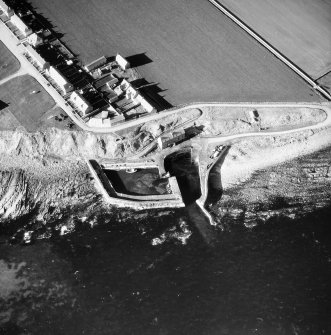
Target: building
6, 9
122, 62
37, 58
95, 64
60, 80
95, 122
112, 96
104, 114
132, 94
34, 40
253, 116
169, 139
107, 79
20, 25
81, 103
144, 103
112, 111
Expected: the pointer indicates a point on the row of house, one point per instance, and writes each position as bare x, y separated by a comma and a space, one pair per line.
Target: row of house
59, 79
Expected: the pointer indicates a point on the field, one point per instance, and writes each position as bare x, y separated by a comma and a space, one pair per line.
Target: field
325, 81
25, 109
300, 29
189, 48
8, 63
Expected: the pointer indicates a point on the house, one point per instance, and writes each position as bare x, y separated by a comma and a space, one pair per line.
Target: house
37, 58
95, 64
20, 25
81, 103
34, 40
6, 9
144, 103
107, 79
131, 93
60, 80
169, 139
122, 62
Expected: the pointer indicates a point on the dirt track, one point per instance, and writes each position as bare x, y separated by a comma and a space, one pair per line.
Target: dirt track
197, 53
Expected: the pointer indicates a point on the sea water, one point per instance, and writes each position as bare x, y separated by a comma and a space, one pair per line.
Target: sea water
112, 278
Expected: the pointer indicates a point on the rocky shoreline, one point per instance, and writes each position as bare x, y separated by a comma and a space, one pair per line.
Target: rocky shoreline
46, 185
290, 190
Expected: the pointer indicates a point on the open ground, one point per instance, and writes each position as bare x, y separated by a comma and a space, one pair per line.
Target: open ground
300, 29
27, 102
193, 51
8, 63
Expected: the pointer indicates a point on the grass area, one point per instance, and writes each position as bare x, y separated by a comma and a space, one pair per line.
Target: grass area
196, 53
8, 62
299, 29
25, 107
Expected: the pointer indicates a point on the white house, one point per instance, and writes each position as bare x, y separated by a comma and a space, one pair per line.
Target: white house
34, 40
60, 80
144, 103
122, 62
6, 9
17, 21
36, 57
81, 103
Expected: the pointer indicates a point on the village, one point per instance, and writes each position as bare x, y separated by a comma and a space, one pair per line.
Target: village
100, 93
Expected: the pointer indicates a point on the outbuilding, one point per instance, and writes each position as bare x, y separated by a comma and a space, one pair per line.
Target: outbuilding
95, 64
122, 62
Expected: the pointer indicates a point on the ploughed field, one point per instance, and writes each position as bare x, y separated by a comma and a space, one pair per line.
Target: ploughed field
195, 52
300, 29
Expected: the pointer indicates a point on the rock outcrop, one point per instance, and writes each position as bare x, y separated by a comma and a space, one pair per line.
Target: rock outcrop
290, 190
